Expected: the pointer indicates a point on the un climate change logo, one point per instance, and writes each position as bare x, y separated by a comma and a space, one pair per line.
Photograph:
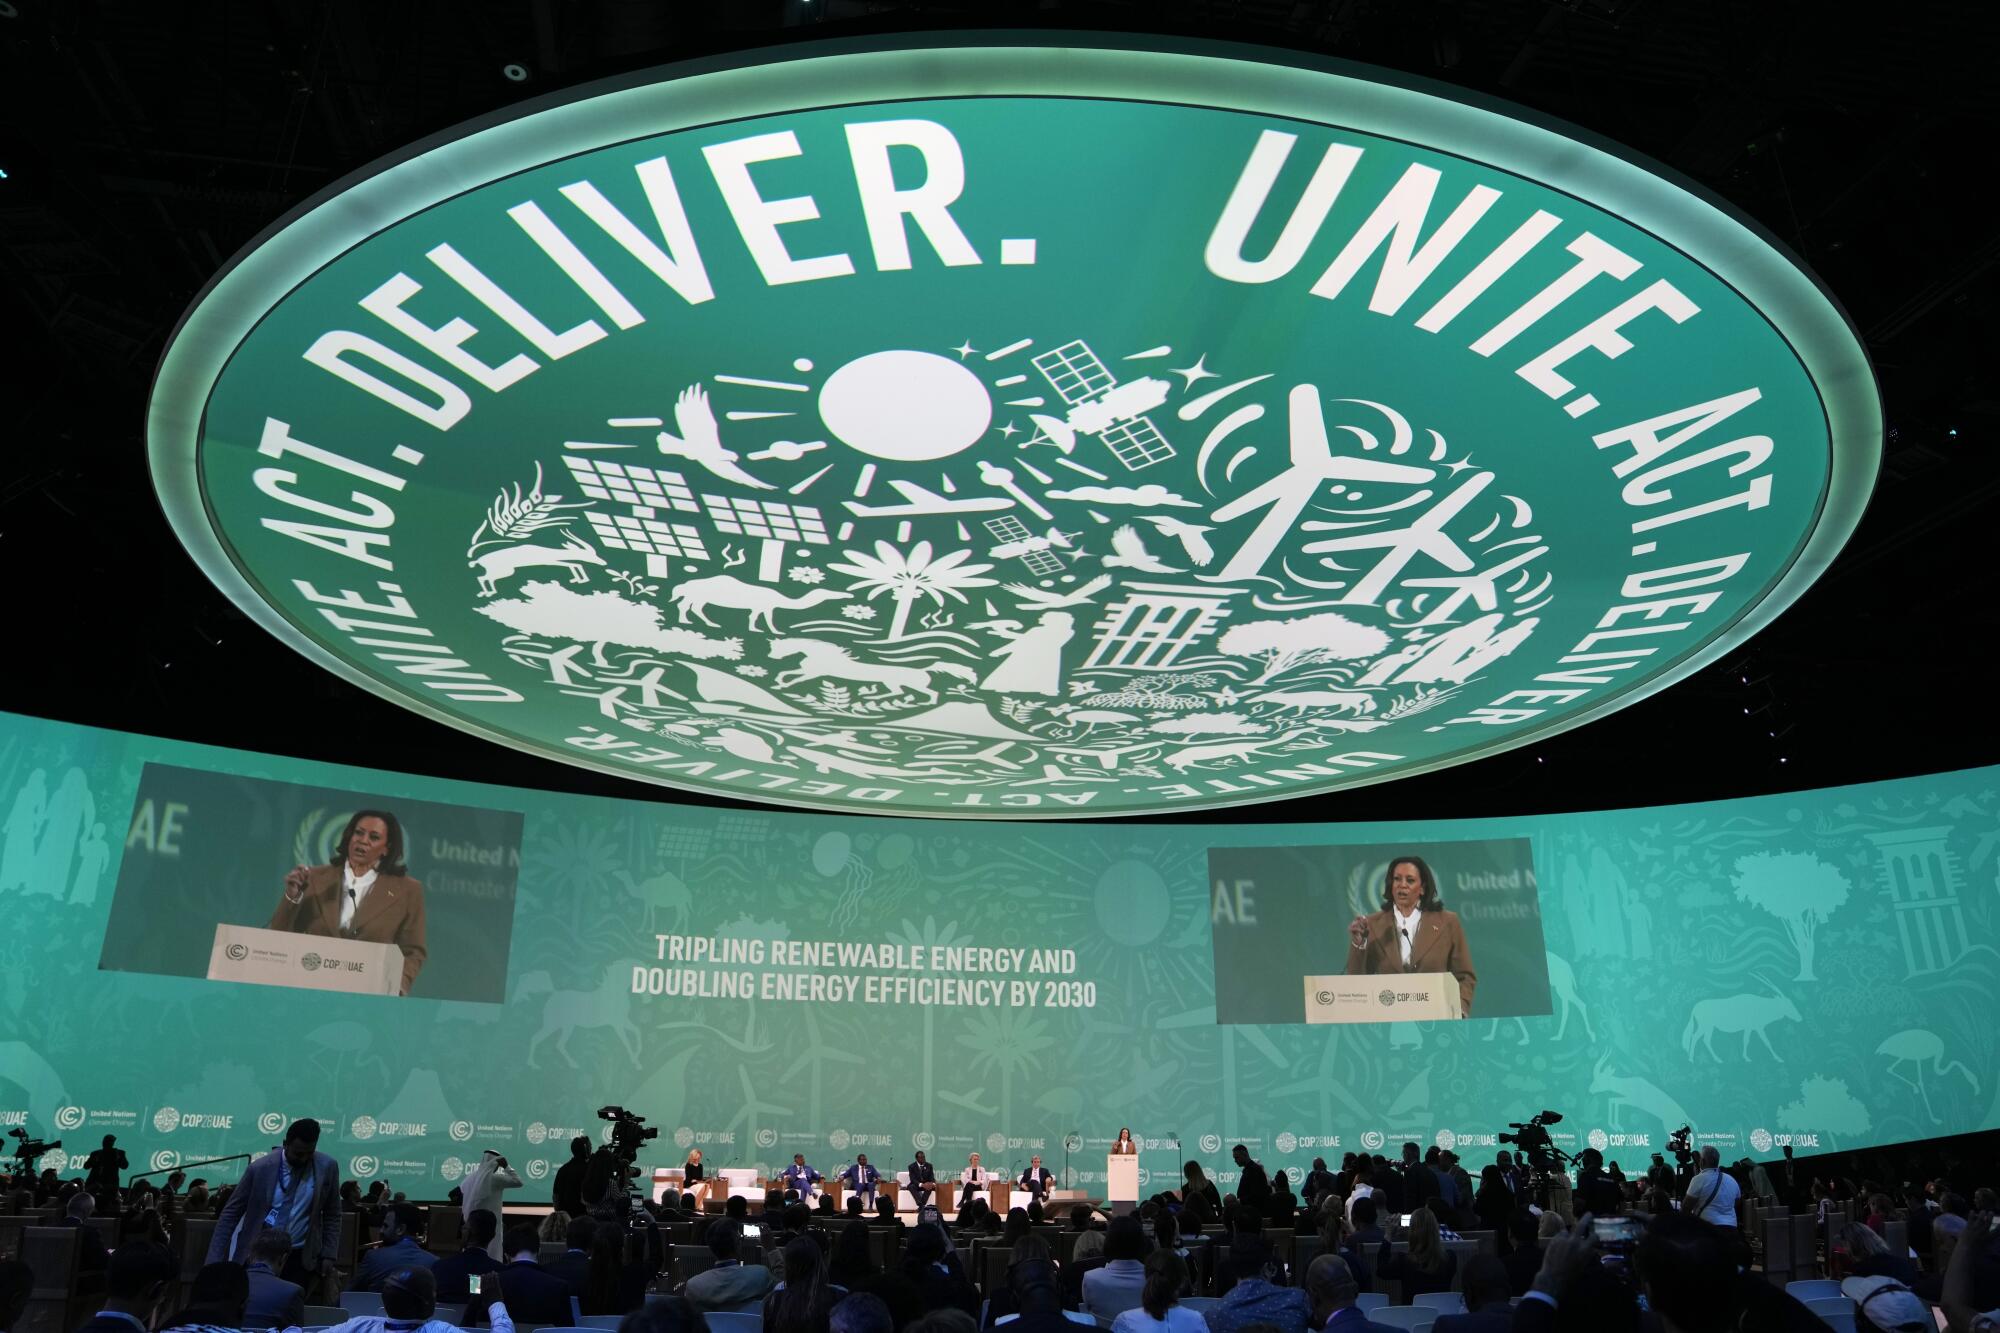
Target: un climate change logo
1372, 1140
683, 1137
1072, 1142
238, 952
537, 1168
166, 1120
1211, 1143
363, 1127
837, 1140
69, 1117
1760, 1139
461, 1130
1287, 1142
767, 1138
364, 1165
166, 1159
271, 1122
923, 1140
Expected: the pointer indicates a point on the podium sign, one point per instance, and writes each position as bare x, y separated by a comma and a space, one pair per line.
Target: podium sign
1121, 1178
311, 962
1394, 997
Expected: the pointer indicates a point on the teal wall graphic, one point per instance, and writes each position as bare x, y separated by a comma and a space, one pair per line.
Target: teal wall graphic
1813, 968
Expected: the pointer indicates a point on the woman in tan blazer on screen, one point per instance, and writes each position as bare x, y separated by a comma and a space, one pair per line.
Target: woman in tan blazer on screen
364, 893
1410, 903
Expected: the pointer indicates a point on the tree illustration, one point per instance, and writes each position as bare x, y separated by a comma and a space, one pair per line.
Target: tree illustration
1005, 1039
891, 573
1825, 1106
1796, 887
553, 610
1302, 641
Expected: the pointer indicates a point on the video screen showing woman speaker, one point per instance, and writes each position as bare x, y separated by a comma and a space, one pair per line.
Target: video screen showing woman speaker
248, 880
1377, 932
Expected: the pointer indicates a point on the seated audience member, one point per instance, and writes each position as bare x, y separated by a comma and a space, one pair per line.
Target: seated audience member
850, 1265
728, 1283
273, 1302
1870, 1256
573, 1264
135, 1284
409, 1305
885, 1214
1159, 1309
614, 1284
1331, 1288
939, 1284
531, 1295
802, 1302
1428, 1266
1488, 1307
1256, 1297
1359, 1246
1965, 1307
1085, 1257
1525, 1259
861, 1312
400, 1248
1118, 1285
215, 1300
454, 1274
1080, 1215
90, 1252
665, 1314
1034, 1301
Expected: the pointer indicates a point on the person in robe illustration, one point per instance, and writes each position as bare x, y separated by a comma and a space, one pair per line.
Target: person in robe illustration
1031, 660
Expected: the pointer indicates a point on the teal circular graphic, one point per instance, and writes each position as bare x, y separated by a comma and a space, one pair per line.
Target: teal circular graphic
1004, 429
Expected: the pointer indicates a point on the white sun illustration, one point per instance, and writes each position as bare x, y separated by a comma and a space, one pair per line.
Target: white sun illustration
905, 406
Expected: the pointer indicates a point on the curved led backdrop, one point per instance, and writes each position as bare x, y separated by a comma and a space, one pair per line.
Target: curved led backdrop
1003, 429
1811, 968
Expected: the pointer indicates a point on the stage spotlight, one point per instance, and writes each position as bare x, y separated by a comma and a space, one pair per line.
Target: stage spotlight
515, 73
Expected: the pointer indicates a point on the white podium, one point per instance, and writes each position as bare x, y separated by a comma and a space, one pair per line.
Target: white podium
1395, 997
313, 962
1121, 1181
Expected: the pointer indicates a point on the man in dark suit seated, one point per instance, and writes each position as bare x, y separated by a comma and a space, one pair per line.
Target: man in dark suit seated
1330, 1284
573, 1265
1486, 1299
1525, 1259
135, 1285
90, 1252
274, 1302
400, 1248
454, 1274
1363, 1242
531, 1295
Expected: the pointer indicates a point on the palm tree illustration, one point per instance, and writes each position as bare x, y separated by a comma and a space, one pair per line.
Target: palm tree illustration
930, 935
905, 578
1008, 1041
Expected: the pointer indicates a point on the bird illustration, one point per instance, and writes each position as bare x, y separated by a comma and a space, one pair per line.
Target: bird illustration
744, 745
1038, 599
1197, 547
1129, 552
700, 442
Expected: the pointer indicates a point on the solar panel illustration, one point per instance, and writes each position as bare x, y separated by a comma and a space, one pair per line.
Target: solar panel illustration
644, 487
766, 519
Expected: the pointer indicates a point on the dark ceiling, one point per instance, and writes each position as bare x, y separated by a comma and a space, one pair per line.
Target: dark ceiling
144, 143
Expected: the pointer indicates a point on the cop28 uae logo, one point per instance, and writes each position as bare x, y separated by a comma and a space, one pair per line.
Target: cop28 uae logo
971, 433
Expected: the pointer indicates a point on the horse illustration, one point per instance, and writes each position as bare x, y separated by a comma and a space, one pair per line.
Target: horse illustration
609, 1006
819, 658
